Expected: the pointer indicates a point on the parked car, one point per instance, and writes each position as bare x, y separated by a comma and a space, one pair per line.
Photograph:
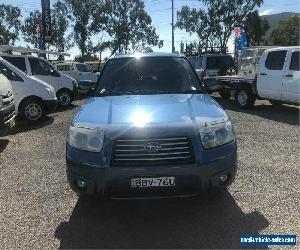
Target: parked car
276, 79
209, 66
78, 71
64, 86
150, 131
7, 105
85, 87
33, 97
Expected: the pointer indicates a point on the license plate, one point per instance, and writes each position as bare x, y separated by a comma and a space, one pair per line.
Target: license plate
153, 182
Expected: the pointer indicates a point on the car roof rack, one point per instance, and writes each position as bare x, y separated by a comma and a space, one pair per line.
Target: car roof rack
10, 48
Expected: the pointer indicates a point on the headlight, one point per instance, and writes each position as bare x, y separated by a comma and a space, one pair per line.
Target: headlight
215, 135
86, 139
75, 84
51, 92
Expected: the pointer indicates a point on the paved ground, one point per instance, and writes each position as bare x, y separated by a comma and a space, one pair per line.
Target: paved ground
38, 210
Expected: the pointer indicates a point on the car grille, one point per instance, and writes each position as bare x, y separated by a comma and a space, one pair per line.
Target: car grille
177, 150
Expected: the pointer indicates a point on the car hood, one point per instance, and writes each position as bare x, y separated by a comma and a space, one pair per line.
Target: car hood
149, 110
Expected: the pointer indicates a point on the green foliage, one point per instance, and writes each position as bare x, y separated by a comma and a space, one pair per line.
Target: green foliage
287, 32
129, 26
29, 27
10, 24
60, 24
214, 25
87, 20
256, 28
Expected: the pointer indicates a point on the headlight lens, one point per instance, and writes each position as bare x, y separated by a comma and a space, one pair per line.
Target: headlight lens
86, 139
216, 135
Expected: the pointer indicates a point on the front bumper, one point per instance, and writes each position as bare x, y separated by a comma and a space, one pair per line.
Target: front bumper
115, 181
7, 118
50, 106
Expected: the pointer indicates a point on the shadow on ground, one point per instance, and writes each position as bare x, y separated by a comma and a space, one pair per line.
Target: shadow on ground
24, 126
282, 113
203, 222
3, 144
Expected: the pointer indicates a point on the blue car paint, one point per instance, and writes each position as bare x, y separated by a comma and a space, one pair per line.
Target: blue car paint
158, 116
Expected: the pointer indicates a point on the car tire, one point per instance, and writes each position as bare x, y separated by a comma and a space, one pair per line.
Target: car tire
64, 98
32, 109
244, 98
225, 93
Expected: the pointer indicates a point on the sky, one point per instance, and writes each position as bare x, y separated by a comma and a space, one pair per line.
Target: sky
160, 12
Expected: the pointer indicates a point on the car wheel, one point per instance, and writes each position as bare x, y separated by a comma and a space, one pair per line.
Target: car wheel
244, 98
64, 98
32, 109
225, 93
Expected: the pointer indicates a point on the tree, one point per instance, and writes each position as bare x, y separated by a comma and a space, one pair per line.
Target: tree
10, 24
87, 20
29, 27
256, 28
217, 20
129, 26
60, 24
287, 32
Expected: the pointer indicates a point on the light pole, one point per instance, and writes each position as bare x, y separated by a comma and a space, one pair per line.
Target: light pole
173, 47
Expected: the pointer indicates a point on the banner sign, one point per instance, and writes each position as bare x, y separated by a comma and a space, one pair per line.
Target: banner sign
241, 38
39, 37
46, 20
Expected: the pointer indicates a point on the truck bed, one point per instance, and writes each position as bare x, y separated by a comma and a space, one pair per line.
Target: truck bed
236, 79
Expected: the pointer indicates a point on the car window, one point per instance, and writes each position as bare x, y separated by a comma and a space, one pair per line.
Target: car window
18, 62
295, 61
148, 75
84, 68
196, 62
40, 67
275, 60
219, 62
9, 74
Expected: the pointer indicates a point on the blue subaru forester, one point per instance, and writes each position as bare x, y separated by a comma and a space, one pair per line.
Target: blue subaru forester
150, 130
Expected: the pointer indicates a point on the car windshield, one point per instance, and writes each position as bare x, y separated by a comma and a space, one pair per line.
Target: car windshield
148, 75
84, 68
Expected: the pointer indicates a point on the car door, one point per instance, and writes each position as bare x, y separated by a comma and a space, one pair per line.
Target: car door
291, 80
270, 77
43, 70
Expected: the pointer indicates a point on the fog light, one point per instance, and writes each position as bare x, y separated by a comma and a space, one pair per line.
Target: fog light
223, 179
81, 184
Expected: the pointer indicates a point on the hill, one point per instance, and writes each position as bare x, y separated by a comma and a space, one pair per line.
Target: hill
274, 19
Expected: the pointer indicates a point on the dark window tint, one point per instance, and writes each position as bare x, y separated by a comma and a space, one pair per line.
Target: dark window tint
295, 61
10, 75
196, 62
18, 62
148, 75
219, 62
275, 60
84, 68
40, 67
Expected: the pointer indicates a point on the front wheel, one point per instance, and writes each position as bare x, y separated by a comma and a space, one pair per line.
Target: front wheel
32, 109
244, 98
64, 98
224, 93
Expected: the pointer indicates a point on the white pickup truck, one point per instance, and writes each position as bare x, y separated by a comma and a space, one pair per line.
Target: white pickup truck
276, 78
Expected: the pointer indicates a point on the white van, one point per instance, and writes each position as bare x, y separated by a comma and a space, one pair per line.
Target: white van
78, 71
33, 98
7, 105
64, 86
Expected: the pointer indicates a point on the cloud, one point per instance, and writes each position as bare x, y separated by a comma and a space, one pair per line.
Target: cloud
265, 12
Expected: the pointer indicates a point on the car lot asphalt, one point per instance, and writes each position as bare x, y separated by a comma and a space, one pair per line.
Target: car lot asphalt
38, 210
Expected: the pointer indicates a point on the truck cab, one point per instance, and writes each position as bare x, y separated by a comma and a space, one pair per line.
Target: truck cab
7, 105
